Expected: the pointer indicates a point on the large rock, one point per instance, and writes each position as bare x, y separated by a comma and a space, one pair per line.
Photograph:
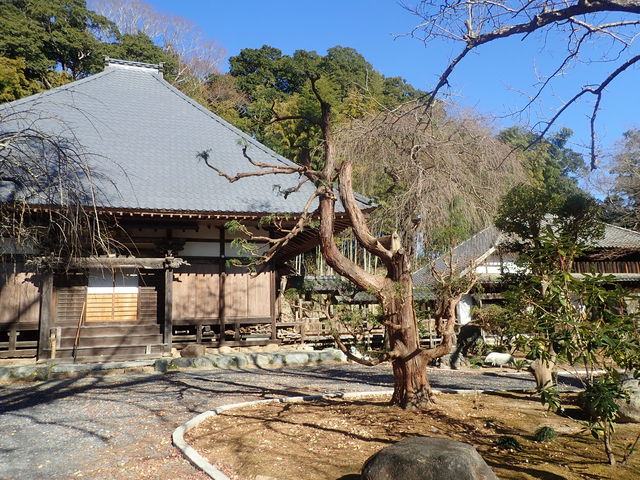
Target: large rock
292, 359
242, 360
630, 411
225, 361
26, 372
202, 362
427, 458
194, 350
451, 361
182, 362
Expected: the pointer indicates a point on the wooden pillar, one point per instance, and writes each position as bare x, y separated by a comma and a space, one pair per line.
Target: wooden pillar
168, 308
274, 330
46, 316
222, 313
199, 333
13, 340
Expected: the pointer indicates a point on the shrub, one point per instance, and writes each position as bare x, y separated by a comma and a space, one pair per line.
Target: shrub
476, 362
508, 443
520, 364
545, 434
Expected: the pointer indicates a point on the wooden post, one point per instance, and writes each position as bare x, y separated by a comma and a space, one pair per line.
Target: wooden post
46, 313
168, 308
221, 291
274, 333
13, 339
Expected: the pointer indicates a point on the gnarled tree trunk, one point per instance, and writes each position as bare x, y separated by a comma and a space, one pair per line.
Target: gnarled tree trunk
411, 386
544, 369
395, 294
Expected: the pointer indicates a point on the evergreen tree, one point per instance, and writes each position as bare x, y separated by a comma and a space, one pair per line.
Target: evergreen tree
53, 34
274, 86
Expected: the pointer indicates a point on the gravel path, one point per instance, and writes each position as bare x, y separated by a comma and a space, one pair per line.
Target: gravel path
119, 426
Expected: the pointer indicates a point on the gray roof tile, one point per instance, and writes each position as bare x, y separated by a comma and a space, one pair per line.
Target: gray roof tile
618, 237
462, 255
480, 244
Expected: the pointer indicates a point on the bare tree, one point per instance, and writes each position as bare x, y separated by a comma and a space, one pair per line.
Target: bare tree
625, 192
197, 56
49, 193
428, 162
581, 23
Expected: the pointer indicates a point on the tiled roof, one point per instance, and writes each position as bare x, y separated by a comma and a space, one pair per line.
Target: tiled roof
462, 255
143, 136
482, 242
618, 237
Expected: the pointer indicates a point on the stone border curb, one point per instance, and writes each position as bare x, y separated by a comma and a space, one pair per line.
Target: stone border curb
223, 361
203, 464
47, 371
226, 361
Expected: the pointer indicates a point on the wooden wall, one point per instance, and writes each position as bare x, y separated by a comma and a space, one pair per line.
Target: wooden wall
19, 298
247, 294
197, 290
19, 312
196, 293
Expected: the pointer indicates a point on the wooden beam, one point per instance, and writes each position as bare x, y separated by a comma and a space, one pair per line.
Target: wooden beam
168, 309
125, 262
46, 316
221, 287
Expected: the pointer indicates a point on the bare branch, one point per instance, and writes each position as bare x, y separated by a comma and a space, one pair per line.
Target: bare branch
358, 222
597, 91
382, 357
51, 192
266, 168
479, 22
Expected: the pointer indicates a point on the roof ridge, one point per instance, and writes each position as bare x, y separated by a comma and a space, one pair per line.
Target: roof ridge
109, 61
635, 232
461, 245
224, 123
52, 91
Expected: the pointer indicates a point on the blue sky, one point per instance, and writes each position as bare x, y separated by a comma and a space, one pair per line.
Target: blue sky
491, 81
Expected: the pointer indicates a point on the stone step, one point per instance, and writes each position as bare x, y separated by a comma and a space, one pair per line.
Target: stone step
103, 330
117, 358
129, 340
111, 351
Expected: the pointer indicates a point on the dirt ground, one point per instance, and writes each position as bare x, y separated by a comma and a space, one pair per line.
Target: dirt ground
330, 440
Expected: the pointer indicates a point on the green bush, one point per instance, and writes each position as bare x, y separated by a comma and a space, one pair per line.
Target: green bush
476, 362
520, 364
508, 443
545, 434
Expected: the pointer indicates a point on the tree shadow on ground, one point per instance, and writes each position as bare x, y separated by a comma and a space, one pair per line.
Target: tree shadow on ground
534, 472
